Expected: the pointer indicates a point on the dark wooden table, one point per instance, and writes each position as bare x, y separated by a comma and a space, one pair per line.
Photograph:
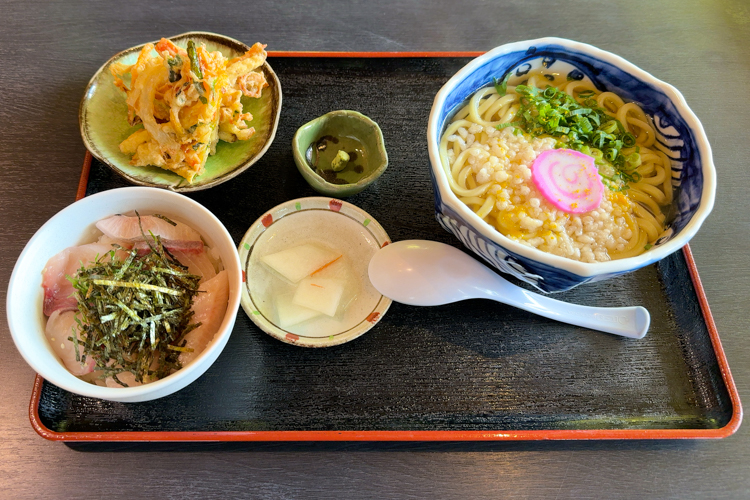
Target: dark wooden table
48, 52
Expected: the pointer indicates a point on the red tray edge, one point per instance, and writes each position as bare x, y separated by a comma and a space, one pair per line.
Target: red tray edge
536, 435
284, 53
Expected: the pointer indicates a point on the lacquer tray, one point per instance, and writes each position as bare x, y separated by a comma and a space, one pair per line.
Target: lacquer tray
476, 370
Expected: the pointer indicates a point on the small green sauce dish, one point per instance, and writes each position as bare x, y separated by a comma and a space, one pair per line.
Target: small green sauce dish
340, 153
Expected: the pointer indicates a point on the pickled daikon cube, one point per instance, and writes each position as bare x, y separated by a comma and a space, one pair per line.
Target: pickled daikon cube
290, 313
319, 294
300, 261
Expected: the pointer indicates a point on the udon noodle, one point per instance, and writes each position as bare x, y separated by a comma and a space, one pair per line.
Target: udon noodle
489, 169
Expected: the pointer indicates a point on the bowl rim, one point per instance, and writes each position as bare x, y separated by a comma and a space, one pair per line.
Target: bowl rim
240, 168
582, 269
284, 209
145, 392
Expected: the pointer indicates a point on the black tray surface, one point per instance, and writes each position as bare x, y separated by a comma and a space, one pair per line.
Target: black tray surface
475, 365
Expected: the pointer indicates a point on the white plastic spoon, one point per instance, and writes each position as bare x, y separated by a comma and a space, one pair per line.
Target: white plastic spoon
428, 273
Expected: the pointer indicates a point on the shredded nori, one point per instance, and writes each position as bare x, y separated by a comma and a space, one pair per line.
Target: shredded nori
135, 312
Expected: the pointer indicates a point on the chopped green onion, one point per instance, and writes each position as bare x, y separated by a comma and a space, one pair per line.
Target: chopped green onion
502, 87
609, 127
584, 124
577, 124
508, 124
580, 111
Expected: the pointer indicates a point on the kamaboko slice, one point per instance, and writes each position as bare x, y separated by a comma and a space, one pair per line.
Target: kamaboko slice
568, 179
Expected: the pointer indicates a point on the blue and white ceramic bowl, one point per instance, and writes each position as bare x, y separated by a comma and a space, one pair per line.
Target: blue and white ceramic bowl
678, 130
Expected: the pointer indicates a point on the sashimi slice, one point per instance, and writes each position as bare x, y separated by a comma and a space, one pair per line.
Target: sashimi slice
60, 326
198, 264
184, 246
209, 309
123, 227
58, 291
106, 240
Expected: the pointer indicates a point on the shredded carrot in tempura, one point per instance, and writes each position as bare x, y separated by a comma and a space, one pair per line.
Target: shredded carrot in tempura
187, 100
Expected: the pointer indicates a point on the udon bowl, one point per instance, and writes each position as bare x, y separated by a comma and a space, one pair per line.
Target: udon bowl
74, 225
678, 132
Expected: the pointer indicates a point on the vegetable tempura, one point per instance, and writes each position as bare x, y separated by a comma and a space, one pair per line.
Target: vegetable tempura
187, 100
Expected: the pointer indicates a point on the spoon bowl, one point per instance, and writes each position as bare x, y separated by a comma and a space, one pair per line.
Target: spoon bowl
429, 273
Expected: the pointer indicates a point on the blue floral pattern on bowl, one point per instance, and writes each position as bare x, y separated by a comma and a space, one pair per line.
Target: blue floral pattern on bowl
679, 134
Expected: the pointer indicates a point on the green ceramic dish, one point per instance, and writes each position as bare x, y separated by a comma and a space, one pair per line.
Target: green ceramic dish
340, 124
103, 120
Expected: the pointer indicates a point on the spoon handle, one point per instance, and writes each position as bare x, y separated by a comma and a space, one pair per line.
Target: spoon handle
632, 322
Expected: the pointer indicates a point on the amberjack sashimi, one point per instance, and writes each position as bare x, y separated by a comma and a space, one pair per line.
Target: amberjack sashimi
209, 308
58, 291
61, 325
127, 228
